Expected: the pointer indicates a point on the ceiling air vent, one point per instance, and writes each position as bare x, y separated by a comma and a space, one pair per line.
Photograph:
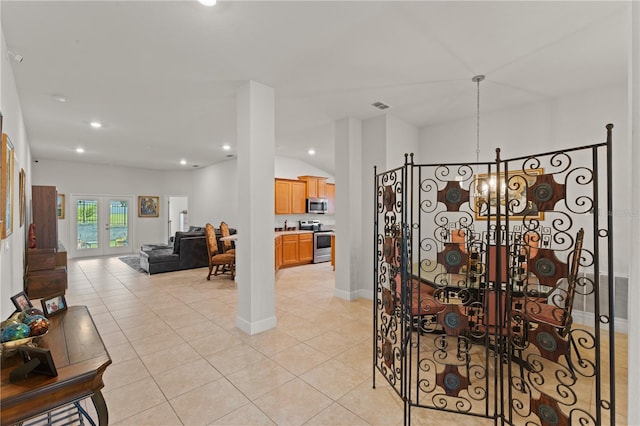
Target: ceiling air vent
380, 105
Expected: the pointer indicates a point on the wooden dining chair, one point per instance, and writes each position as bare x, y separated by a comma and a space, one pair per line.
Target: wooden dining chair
551, 321
227, 246
223, 262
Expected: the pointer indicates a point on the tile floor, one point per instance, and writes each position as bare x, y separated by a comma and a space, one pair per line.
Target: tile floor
178, 358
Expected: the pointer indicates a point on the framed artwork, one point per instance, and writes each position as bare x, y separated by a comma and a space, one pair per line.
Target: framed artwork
7, 186
22, 196
53, 305
514, 185
21, 301
60, 206
148, 206
43, 365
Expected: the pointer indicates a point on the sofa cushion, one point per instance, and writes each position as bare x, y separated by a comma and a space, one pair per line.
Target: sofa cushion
162, 255
179, 235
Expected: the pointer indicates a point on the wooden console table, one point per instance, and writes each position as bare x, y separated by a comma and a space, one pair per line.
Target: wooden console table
80, 358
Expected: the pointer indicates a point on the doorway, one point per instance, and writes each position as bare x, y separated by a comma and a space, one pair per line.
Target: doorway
100, 225
178, 216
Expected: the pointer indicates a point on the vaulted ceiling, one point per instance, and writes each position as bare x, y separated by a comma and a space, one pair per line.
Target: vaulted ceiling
162, 75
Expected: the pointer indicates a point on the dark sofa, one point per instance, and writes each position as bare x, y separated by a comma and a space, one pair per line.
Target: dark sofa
189, 251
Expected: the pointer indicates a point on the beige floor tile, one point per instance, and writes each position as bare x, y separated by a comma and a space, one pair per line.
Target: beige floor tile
213, 343
126, 372
334, 379
379, 406
169, 358
186, 377
121, 353
336, 415
132, 399
293, 403
114, 339
272, 341
160, 415
246, 415
330, 343
208, 403
259, 378
300, 358
235, 358
157, 343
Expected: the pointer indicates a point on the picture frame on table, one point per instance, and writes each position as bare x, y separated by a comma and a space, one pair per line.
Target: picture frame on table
148, 206
44, 364
60, 206
21, 301
53, 305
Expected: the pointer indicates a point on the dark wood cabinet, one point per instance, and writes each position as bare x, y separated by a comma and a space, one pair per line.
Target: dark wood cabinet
45, 265
44, 200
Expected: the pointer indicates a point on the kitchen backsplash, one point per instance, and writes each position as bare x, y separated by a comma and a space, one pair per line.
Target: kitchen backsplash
327, 221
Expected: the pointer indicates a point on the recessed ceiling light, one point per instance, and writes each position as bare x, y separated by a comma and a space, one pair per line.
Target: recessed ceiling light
207, 2
95, 124
226, 147
312, 151
60, 98
79, 150
183, 162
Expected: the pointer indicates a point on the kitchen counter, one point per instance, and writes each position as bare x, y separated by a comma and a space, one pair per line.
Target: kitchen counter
296, 232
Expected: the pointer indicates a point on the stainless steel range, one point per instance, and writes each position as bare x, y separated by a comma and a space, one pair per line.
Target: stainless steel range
321, 240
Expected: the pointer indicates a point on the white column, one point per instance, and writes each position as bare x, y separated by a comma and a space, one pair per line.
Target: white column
255, 254
348, 154
634, 273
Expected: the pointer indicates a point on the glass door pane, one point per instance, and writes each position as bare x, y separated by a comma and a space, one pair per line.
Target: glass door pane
118, 226
87, 226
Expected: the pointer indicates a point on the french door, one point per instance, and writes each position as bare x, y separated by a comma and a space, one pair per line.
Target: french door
101, 225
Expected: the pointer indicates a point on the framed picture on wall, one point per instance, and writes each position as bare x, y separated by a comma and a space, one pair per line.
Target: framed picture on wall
7, 186
514, 185
60, 206
22, 197
148, 206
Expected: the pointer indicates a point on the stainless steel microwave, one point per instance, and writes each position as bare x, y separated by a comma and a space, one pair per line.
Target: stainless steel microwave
317, 205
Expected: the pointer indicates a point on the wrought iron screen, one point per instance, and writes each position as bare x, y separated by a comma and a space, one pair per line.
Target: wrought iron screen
476, 269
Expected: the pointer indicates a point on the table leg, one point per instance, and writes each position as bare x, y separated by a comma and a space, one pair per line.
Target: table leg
101, 408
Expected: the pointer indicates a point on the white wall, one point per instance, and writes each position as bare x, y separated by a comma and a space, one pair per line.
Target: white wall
12, 248
83, 179
213, 197
567, 122
385, 140
291, 168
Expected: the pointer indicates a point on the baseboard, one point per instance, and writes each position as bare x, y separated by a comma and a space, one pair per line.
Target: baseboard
256, 327
588, 319
345, 295
365, 293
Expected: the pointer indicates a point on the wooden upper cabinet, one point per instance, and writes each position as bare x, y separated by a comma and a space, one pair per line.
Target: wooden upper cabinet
330, 191
290, 196
283, 196
315, 186
298, 197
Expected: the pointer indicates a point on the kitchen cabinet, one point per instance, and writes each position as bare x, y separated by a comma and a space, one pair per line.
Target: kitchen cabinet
290, 247
333, 251
305, 248
278, 252
330, 191
297, 249
290, 196
316, 186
